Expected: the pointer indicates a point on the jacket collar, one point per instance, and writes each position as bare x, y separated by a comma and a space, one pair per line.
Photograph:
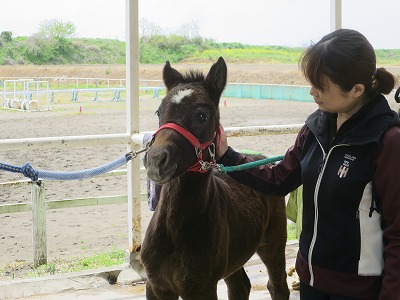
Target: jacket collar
366, 126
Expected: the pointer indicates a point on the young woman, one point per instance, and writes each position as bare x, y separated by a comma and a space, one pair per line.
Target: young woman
347, 157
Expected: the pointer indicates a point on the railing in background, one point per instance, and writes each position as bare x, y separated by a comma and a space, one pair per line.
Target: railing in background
268, 91
83, 82
18, 95
234, 90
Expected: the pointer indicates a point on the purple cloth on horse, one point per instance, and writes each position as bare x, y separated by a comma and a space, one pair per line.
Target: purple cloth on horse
153, 194
153, 189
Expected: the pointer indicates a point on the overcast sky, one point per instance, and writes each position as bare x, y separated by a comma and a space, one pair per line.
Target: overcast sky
259, 22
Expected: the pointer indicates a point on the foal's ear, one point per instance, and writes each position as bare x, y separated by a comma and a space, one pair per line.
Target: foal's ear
171, 76
216, 79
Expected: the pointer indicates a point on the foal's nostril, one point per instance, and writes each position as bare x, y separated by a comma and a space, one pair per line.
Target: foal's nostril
163, 158
158, 159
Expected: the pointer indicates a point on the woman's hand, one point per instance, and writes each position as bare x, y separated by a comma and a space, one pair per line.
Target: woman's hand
222, 146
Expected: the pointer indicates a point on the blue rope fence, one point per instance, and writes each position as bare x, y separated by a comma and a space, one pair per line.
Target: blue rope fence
28, 171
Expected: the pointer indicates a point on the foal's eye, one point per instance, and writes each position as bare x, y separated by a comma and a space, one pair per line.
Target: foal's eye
203, 117
157, 113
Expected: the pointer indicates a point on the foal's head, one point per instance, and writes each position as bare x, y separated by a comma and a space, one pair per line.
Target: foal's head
188, 120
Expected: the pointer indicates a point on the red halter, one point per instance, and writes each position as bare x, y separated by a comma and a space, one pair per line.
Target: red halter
200, 166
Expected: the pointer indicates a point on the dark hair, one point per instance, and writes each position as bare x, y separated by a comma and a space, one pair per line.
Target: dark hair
347, 58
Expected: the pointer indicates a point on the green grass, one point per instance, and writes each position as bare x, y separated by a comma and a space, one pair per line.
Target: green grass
251, 55
388, 57
276, 55
105, 259
155, 49
75, 264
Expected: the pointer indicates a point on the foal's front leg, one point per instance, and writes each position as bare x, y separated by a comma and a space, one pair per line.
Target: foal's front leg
239, 285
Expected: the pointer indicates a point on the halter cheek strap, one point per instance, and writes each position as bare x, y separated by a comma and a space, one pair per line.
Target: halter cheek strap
200, 165
219, 137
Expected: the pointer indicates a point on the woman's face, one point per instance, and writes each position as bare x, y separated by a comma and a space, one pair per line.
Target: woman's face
334, 100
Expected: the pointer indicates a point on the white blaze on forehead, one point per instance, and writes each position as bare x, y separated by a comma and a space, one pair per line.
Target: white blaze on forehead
177, 98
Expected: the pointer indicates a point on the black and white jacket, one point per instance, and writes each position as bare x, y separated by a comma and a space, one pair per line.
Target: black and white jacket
350, 240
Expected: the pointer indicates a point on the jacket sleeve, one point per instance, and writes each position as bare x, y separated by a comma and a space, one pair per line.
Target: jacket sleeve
274, 179
388, 188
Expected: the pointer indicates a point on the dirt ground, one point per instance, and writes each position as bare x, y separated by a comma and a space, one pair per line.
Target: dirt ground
84, 231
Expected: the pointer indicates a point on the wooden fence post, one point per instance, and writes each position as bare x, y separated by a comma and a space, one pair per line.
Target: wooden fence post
39, 224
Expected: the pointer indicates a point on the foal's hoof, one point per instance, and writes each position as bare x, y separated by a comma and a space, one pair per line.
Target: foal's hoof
295, 284
291, 271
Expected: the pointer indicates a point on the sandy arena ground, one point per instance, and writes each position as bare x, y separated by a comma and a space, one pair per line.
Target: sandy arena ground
83, 231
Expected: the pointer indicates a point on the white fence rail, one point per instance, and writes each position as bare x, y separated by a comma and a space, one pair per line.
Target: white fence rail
76, 82
17, 92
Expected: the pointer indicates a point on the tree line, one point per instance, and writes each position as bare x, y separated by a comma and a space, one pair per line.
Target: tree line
54, 43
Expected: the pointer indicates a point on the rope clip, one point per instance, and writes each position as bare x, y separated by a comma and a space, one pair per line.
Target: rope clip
133, 154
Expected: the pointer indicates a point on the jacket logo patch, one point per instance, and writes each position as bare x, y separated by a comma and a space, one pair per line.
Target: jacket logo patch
344, 168
343, 171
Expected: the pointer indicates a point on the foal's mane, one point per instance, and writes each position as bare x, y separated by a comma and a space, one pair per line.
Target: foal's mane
192, 76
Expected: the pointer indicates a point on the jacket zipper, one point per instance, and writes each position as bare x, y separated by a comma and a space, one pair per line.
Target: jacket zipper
310, 251
317, 186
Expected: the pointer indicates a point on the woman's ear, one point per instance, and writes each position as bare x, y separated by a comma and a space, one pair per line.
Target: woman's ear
357, 90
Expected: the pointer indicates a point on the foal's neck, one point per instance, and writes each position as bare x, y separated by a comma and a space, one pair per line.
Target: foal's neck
190, 191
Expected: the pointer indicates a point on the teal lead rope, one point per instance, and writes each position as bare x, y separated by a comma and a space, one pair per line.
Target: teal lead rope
249, 165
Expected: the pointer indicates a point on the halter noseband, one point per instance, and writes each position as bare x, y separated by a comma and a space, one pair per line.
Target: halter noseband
200, 166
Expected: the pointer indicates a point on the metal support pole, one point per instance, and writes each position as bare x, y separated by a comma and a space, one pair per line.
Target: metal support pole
39, 224
336, 14
132, 119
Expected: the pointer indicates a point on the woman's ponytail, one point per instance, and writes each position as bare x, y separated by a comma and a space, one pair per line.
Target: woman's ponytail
383, 81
